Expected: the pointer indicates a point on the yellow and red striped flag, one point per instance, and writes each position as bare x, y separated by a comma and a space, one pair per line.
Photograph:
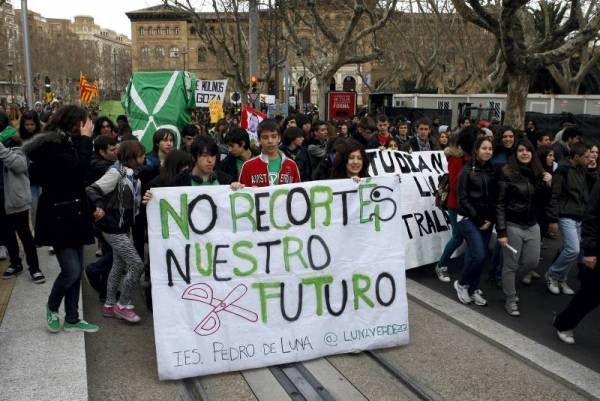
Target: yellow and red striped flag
87, 90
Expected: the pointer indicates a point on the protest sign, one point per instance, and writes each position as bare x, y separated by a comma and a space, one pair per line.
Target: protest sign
250, 119
427, 228
207, 90
267, 99
215, 108
265, 276
341, 105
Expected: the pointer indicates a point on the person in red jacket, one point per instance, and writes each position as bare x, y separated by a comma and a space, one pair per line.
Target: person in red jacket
456, 154
271, 167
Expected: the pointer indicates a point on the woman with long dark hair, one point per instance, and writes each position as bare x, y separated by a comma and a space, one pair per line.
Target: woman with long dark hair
104, 126
29, 125
457, 155
59, 159
350, 161
476, 215
516, 221
176, 162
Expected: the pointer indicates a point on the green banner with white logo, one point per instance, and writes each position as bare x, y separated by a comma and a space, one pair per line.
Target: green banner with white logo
159, 99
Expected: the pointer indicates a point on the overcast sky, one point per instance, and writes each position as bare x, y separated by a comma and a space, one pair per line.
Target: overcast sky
107, 13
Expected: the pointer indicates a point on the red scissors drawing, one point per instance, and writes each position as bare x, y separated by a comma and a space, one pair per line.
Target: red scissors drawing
203, 292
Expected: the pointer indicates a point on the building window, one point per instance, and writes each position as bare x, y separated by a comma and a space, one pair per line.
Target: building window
176, 31
150, 31
192, 30
142, 31
174, 52
160, 52
145, 52
157, 31
202, 55
165, 31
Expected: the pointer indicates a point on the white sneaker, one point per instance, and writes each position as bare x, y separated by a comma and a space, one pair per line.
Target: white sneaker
442, 273
527, 279
566, 336
462, 292
565, 289
512, 308
552, 285
478, 298
3, 253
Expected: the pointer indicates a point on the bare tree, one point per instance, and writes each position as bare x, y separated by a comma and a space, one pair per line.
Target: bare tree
225, 32
570, 72
523, 48
324, 45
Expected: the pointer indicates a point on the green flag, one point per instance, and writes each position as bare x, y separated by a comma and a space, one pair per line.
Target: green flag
162, 99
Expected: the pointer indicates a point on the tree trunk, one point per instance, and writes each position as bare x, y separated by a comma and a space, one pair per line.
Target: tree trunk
516, 99
323, 88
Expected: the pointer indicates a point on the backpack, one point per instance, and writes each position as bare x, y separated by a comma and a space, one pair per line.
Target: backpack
442, 191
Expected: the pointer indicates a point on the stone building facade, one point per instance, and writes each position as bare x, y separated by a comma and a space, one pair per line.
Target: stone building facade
55, 44
163, 38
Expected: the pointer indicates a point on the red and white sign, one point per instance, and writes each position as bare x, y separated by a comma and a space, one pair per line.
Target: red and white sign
249, 121
342, 105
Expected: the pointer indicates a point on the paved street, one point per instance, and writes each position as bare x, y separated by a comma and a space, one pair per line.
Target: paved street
538, 308
443, 358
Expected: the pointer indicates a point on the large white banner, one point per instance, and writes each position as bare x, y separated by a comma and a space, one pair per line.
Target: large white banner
264, 276
207, 90
425, 225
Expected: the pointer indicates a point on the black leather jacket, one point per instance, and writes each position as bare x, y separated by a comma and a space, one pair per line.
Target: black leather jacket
516, 199
477, 192
570, 193
590, 228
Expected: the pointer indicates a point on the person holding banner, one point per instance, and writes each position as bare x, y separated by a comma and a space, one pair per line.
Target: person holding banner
350, 161
271, 167
518, 231
476, 215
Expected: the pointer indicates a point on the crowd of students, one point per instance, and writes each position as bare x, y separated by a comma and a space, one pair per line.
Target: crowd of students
89, 181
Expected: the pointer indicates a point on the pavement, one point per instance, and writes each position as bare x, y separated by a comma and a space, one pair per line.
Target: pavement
461, 352
36, 364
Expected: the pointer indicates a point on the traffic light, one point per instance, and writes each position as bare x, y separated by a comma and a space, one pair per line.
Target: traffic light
253, 83
47, 85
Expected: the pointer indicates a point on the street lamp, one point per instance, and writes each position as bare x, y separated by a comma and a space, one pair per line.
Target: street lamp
9, 67
114, 54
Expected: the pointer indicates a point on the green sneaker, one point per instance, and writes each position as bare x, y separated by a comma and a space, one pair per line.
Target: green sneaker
81, 325
52, 321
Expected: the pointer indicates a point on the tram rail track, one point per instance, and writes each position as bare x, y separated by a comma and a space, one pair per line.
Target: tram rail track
306, 381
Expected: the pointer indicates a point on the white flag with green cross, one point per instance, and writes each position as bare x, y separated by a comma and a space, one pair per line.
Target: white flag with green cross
159, 99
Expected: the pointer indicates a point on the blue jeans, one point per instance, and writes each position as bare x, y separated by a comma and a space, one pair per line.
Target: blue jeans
477, 246
570, 233
454, 242
36, 191
68, 282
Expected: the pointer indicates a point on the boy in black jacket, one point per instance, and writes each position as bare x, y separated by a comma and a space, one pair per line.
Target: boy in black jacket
566, 210
588, 297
